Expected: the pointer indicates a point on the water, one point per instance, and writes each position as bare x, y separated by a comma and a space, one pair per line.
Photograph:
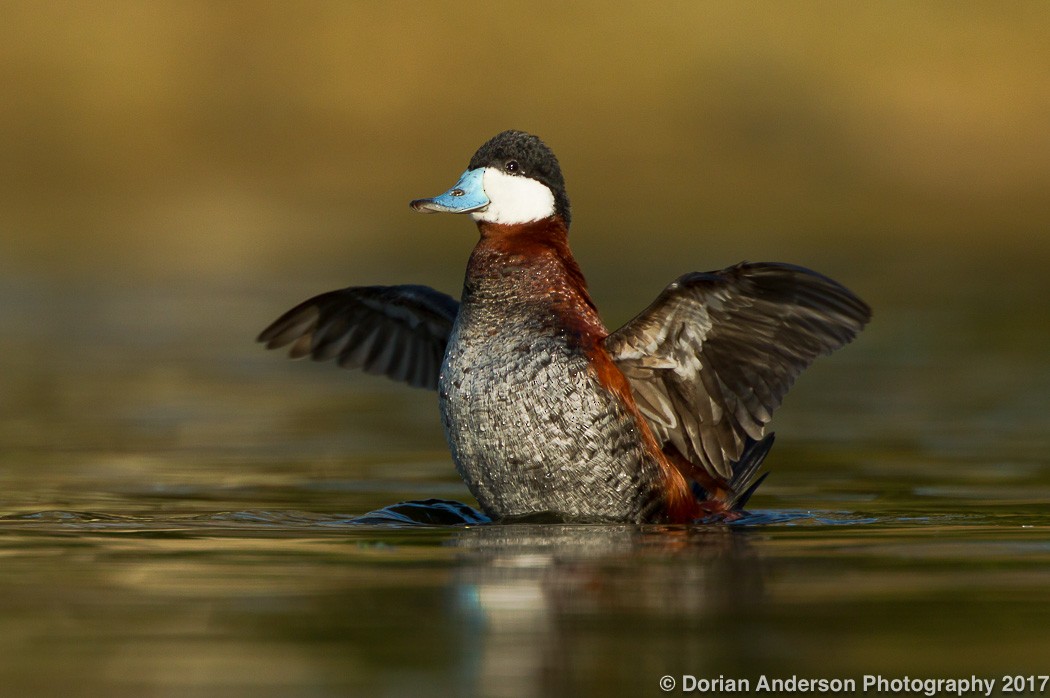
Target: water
299, 604
182, 517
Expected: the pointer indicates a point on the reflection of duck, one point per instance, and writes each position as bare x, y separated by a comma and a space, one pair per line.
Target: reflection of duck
547, 413
551, 607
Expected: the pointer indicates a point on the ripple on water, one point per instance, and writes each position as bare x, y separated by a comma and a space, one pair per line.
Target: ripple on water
449, 513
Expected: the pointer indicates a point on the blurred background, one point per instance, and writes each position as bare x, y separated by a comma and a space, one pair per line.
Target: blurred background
173, 175
251, 142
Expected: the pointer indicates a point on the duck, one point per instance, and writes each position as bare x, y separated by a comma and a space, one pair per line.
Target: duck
547, 414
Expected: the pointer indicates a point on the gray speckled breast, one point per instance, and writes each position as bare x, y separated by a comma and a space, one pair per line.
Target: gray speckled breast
530, 428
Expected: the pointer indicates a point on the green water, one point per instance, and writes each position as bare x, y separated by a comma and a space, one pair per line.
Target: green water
178, 511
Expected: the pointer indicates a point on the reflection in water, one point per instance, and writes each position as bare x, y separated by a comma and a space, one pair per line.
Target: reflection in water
525, 588
521, 589
256, 598
230, 603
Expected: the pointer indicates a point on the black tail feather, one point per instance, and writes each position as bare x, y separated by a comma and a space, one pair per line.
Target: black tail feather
745, 472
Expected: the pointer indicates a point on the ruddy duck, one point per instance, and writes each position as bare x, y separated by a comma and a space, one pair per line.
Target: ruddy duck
548, 414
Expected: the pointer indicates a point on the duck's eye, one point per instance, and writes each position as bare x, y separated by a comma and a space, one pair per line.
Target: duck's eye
511, 166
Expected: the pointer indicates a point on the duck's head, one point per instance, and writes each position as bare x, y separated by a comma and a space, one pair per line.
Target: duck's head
513, 178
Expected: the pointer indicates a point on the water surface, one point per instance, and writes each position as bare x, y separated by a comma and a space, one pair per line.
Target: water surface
182, 517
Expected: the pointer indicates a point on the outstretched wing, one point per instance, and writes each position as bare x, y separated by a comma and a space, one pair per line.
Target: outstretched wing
714, 355
397, 331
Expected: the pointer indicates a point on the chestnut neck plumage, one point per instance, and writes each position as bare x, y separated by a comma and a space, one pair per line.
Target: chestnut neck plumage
531, 263
528, 269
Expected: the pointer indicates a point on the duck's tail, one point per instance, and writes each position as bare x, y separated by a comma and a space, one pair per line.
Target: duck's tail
714, 498
745, 472
719, 497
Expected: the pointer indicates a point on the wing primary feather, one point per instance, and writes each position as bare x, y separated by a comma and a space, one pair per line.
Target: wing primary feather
398, 331
721, 349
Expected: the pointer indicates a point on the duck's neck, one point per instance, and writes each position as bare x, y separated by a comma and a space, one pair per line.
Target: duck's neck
531, 263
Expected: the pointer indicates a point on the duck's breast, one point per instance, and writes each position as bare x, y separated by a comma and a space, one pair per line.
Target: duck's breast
530, 426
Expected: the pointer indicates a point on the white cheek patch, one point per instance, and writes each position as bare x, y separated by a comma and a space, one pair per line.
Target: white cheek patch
514, 199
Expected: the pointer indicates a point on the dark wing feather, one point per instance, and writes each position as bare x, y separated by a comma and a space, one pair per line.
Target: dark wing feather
714, 355
397, 331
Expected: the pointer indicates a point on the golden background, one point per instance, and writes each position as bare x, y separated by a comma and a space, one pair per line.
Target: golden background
259, 142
